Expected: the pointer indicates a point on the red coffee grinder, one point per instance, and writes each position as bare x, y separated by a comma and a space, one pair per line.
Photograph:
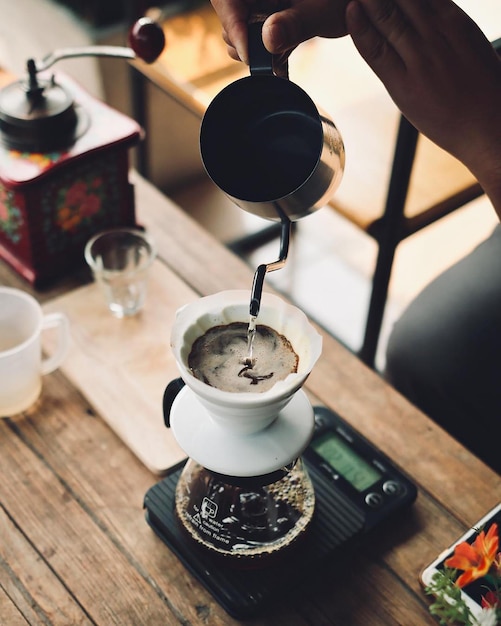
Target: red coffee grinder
64, 162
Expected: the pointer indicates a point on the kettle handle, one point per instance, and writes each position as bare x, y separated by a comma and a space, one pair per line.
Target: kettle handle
260, 60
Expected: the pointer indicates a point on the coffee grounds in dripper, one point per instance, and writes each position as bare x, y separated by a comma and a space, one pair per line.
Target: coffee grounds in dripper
220, 358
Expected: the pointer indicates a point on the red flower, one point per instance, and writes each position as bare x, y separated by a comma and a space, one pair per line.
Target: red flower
491, 600
4, 212
76, 193
90, 205
476, 559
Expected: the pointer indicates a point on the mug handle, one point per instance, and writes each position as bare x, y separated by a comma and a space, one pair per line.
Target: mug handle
60, 322
260, 60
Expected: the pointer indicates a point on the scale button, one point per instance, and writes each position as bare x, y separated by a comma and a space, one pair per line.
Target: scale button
374, 500
329, 470
392, 488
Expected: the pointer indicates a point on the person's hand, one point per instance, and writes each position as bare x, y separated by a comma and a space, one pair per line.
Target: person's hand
442, 73
287, 24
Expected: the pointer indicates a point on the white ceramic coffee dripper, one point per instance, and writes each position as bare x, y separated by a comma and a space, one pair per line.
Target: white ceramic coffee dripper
243, 447
243, 434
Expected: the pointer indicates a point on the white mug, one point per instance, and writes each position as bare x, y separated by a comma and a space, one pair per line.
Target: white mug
22, 364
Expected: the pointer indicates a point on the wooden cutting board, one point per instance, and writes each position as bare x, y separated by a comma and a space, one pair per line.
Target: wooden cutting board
122, 366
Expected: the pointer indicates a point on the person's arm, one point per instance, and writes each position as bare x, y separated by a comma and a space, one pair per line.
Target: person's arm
442, 73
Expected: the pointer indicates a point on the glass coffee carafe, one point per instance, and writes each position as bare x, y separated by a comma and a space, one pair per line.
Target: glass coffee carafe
244, 491
245, 517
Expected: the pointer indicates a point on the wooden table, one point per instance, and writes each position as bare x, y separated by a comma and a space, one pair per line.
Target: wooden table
74, 544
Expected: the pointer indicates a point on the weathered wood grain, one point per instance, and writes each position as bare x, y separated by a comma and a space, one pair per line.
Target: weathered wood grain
74, 544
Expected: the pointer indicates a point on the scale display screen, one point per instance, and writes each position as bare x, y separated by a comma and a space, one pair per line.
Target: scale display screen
345, 461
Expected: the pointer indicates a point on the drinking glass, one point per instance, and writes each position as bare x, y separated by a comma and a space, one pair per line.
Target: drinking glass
120, 259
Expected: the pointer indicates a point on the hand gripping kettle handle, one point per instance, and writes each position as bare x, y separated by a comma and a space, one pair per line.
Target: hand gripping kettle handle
261, 61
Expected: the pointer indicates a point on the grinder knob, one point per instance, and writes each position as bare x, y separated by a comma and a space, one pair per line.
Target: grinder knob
38, 115
147, 39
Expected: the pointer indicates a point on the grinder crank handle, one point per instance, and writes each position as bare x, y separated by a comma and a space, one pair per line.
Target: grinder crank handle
146, 40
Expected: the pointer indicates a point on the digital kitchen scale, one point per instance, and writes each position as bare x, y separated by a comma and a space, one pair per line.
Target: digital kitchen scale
356, 489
